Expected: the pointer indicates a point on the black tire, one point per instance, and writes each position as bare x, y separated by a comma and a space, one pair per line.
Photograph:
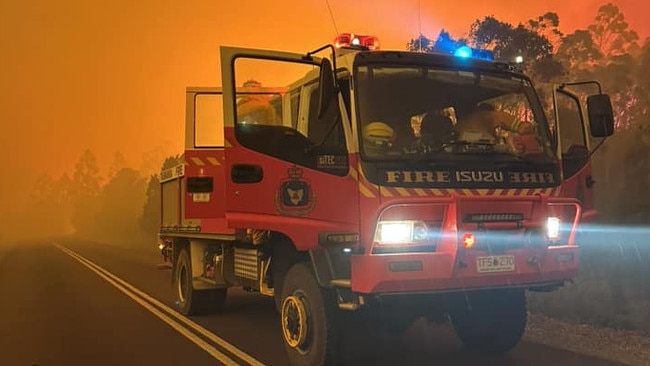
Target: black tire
188, 300
308, 319
284, 257
489, 321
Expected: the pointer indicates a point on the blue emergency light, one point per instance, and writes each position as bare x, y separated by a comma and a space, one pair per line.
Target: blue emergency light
469, 52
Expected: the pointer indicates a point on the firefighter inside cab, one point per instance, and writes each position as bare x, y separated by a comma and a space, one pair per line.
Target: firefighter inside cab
486, 123
440, 130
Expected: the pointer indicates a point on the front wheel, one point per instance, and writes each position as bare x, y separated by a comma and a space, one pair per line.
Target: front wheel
307, 317
188, 300
489, 321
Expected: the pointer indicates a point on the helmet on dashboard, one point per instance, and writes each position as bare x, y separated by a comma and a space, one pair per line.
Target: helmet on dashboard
377, 134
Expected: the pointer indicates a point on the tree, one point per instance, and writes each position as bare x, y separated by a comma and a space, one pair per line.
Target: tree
547, 26
50, 205
444, 43
617, 78
120, 204
578, 51
86, 180
85, 184
617, 46
491, 34
420, 44
447, 44
119, 163
151, 159
508, 42
173, 161
42, 187
642, 85
150, 217
610, 32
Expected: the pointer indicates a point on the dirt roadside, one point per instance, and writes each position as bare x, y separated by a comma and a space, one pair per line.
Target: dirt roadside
611, 344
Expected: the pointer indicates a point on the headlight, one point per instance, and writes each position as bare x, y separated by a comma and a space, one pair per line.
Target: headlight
398, 232
553, 228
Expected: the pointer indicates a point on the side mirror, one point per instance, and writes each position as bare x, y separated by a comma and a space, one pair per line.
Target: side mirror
326, 86
601, 116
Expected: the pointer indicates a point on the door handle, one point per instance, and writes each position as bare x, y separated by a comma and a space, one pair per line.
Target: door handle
589, 182
246, 173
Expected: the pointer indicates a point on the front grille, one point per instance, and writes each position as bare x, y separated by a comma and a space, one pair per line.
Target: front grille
379, 249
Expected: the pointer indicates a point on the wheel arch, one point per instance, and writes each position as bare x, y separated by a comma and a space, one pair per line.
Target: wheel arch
195, 248
284, 255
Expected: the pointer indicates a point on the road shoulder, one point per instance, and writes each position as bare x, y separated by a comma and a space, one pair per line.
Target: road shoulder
611, 344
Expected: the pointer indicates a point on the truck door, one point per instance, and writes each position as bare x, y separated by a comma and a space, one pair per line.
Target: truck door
573, 145
287, 164
203, 198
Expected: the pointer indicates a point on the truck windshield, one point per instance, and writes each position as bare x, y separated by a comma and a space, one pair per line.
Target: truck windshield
407, 111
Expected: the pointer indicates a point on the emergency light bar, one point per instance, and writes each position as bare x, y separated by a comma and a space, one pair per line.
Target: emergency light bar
354, 41
469, 52
365, 43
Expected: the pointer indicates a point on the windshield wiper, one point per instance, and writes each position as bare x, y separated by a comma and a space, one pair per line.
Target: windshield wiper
483, 149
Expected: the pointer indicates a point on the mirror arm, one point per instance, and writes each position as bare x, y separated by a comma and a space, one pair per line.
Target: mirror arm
600, 90
311, 53
597, 146
327, 135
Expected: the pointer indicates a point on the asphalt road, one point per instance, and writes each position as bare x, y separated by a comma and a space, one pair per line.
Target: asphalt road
72, 302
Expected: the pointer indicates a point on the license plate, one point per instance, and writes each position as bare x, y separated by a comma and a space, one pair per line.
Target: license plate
495, 263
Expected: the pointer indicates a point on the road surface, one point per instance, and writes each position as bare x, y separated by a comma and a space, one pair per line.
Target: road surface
75, 302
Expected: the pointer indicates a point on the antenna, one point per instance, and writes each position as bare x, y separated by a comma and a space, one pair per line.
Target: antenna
420, 24
332, 16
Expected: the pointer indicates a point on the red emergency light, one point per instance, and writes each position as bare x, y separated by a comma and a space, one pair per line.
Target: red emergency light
469, 240
355, 41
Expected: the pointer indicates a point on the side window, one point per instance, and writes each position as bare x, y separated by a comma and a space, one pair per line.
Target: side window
344, 84
515, 104
326, 130
327, 135
570, 123
208, 120
294, 100
278, 115
572, 135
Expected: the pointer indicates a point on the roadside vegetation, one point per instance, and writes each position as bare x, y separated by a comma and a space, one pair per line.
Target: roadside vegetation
121, 205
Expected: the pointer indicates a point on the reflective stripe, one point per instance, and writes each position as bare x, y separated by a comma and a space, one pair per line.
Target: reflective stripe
515, 125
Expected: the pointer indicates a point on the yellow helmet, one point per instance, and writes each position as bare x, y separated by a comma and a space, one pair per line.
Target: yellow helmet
377, 134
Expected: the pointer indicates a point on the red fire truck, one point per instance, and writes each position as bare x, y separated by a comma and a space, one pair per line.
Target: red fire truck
385, 184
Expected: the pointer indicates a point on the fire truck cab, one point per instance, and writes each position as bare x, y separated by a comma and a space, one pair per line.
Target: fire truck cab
391, 184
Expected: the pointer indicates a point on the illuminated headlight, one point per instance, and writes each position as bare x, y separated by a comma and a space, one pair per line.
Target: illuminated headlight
553, 228
161, 246
398, 232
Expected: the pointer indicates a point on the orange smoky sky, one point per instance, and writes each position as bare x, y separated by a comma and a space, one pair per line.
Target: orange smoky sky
110, 75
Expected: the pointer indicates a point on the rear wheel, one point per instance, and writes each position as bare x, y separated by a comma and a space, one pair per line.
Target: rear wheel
489, 321
308, 319
188, 300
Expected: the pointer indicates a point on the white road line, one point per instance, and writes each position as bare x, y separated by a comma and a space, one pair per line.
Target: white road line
147, 301
206, 333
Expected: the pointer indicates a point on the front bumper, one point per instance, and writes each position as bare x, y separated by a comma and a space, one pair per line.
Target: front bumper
445, 271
